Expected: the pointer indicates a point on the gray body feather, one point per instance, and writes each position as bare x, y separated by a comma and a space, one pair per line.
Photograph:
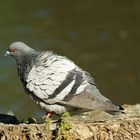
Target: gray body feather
56, 84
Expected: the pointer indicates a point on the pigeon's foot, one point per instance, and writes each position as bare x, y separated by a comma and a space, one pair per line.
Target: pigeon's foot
48, 115
51, 118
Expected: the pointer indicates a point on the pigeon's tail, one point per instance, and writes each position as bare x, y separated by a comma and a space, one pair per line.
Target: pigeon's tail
114, 110
117, 111
102, 102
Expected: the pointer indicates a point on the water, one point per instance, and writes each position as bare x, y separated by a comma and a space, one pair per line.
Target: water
101, 37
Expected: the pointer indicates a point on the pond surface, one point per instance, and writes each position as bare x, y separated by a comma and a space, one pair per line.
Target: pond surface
101, 37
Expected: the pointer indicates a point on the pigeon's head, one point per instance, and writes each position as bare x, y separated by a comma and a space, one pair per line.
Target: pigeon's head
19, 49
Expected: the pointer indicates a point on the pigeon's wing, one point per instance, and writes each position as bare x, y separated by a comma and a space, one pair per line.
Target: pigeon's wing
90, 97
52, 78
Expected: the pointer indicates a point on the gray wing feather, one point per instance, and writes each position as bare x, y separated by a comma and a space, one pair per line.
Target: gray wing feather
91, 99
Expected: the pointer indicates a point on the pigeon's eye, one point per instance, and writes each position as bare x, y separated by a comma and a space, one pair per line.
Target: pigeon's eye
13, 50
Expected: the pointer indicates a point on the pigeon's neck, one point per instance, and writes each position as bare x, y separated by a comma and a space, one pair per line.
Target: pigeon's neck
24, 64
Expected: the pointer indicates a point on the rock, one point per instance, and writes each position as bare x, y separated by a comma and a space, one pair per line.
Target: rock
125, 127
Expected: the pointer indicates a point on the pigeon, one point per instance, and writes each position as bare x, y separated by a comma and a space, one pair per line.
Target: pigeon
57, 84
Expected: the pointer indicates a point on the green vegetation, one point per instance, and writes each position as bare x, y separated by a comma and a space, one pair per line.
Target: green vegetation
65, 127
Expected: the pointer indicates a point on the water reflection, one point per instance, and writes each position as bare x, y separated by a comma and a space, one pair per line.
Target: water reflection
102, 38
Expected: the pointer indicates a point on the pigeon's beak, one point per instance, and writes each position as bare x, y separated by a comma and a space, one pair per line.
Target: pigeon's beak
7, 53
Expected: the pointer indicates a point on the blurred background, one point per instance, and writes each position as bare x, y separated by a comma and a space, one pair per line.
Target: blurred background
102, 37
